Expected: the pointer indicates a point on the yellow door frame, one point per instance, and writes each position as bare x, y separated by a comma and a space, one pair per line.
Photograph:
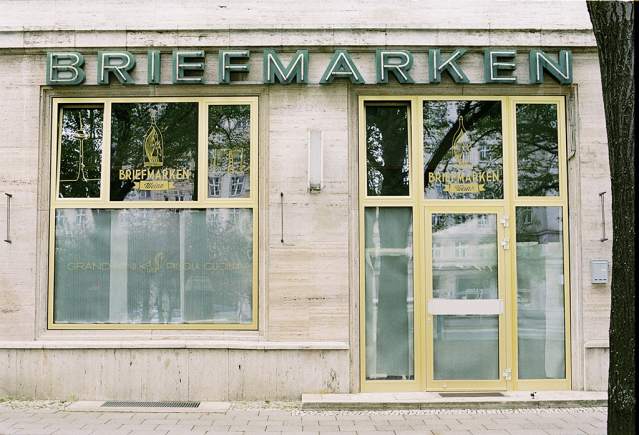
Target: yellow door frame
422, 255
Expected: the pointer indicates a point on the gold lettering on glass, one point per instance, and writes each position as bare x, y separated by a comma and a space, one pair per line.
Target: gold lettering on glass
153, 146
81, 135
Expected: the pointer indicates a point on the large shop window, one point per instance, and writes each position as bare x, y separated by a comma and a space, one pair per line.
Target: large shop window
153, 214
463, 266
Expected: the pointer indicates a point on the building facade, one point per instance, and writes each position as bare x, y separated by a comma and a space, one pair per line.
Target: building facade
246, 200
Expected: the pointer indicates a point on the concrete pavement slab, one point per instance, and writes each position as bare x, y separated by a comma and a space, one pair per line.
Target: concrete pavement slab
236, 421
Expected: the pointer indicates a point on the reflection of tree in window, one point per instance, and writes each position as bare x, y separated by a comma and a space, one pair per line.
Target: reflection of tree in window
537, 150
80, 156
482, 120
387, 150
130, 122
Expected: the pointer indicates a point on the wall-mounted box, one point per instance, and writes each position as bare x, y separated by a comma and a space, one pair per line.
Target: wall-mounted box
599, 271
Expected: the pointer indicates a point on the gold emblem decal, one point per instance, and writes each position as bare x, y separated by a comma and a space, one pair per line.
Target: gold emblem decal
81, 135
153, 146
464, 179
150, 268
461, 147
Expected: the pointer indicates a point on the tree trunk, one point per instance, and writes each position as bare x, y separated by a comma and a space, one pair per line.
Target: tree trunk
613, 25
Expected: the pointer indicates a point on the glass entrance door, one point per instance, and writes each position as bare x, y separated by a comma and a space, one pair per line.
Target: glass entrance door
465, 293
463, 244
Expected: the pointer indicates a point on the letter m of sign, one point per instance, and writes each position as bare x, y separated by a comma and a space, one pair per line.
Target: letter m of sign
298, 68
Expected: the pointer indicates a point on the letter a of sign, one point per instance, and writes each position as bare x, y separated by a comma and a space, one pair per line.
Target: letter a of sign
341, 66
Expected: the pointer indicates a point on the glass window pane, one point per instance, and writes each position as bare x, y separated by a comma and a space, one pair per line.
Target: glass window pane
389, 294
466, 347
154, 151
464, 256
229, 151
463, 150
387, 156
540, 293
80, 152
153, 266
537, 150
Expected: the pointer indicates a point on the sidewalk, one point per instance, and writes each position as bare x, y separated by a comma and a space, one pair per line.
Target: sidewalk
454, 400
581, 415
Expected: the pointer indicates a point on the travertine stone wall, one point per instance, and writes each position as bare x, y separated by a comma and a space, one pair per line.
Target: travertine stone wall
308, 276
278, 14
170, 374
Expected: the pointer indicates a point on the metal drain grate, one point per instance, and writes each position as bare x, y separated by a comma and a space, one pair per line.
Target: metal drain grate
113, 404
489, 394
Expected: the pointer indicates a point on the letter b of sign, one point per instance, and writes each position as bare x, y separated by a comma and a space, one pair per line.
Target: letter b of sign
65, 68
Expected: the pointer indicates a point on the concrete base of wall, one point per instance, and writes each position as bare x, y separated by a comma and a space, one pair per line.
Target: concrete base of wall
597, 362
171, 374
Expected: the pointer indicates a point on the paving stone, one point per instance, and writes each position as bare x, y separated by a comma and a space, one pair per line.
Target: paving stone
109, 432
287, 422
181, 431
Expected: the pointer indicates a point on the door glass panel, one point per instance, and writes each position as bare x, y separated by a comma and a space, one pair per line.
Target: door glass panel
154, 151
540, 293
537, 150
387, 154
463, 150
466, 347
465, 268
389, 293
80, 148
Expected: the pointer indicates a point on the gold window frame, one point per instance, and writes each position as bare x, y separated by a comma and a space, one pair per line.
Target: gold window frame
422, 255
203, 201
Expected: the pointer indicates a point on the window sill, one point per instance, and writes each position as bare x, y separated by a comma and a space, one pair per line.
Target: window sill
175, 344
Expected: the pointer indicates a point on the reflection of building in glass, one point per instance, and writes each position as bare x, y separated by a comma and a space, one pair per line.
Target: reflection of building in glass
180, 191
229, 186
389, 295
163, 265
540, 292
464, 256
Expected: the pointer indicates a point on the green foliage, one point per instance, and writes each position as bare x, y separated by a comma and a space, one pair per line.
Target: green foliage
80, 157
130, 122
482, 120
537, 150
387, 150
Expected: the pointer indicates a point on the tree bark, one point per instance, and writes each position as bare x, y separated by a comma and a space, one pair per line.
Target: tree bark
613, 25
